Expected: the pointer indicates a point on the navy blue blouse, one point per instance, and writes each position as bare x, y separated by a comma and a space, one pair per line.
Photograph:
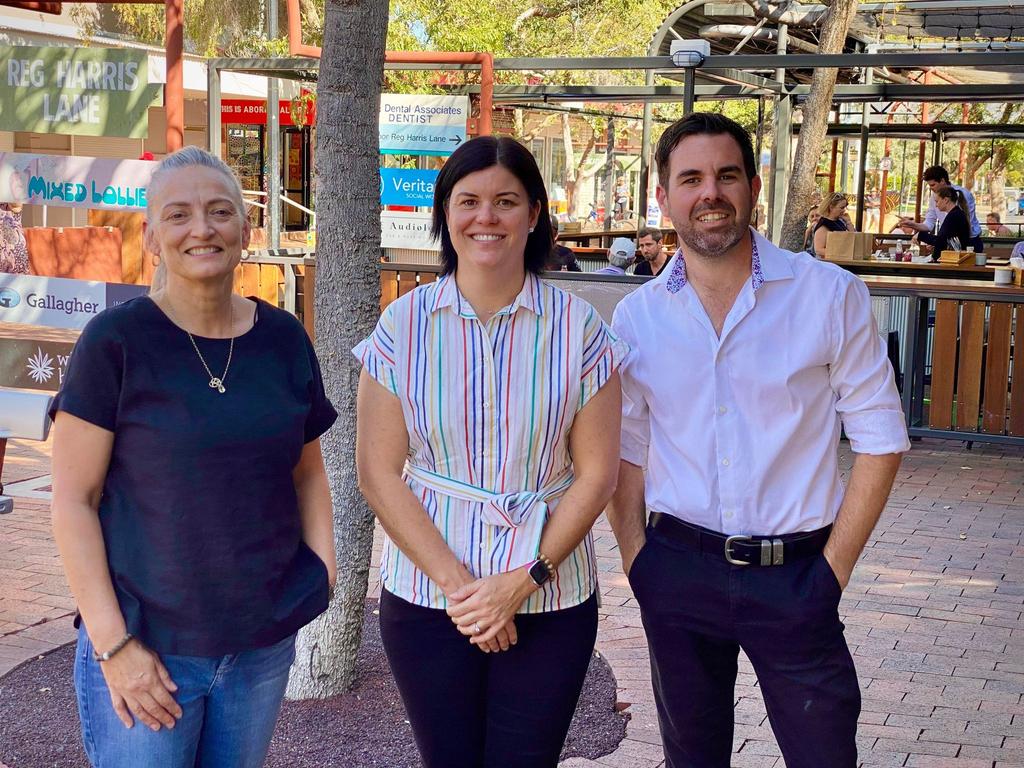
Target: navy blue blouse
199, 511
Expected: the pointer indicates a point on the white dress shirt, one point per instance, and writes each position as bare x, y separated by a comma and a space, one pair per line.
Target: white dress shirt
739, 433
933, 218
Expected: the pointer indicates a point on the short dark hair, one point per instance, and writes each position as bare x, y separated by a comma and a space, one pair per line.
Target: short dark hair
994, 215
697, 124
479, 154
654, 233
935, 173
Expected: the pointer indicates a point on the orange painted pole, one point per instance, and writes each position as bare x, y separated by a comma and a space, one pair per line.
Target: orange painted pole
174, 89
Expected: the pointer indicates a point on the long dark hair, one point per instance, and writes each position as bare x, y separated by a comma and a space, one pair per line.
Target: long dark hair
479, 154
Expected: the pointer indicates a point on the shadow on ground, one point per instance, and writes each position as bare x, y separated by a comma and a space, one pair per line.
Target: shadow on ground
362, 729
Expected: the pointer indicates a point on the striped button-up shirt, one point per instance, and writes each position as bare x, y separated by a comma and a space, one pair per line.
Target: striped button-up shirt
488, 408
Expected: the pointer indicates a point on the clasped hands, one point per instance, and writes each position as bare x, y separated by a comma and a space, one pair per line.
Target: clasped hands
484, 610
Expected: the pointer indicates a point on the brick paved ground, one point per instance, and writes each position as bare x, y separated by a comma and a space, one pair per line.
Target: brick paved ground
933, 615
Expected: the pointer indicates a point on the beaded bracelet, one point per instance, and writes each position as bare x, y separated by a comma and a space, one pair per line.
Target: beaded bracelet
108, 655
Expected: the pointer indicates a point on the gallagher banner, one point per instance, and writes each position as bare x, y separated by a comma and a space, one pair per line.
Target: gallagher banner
81, 91
74, 182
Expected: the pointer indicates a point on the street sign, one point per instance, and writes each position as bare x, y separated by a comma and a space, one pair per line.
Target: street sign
81, 91
407, 186
411, 124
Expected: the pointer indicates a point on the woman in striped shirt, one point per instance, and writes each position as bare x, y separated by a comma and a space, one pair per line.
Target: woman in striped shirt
488, 444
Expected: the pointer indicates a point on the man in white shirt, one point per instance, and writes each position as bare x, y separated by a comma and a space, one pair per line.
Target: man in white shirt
746, 362
936, 177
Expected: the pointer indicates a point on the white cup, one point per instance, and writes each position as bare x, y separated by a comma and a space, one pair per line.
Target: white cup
1004, 276
979, 259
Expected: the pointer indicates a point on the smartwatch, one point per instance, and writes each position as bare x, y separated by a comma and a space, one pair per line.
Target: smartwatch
540, 573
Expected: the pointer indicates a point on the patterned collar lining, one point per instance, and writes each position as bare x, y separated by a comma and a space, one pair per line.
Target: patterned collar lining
677, 277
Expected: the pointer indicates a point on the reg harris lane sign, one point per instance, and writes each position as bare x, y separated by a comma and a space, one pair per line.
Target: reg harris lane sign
411, 124
82, 91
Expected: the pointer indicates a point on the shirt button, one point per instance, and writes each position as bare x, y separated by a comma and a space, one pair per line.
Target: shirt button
725, 462
728, 515
722, 409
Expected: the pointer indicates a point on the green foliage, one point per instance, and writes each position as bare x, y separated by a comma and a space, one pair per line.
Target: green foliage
212, 27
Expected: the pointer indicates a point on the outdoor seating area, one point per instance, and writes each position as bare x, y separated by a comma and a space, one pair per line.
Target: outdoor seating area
707, 447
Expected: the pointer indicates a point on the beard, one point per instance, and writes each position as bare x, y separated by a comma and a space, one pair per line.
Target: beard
712, 244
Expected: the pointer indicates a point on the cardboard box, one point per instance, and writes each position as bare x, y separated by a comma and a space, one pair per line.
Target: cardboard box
849, 245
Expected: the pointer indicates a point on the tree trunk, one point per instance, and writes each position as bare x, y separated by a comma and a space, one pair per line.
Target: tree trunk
811, 142
347, 303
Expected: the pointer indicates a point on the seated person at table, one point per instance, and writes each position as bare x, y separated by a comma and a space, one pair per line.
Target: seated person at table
561, 258
937, 178
653, 257
620, 256
955, 224
996, 228
832, 217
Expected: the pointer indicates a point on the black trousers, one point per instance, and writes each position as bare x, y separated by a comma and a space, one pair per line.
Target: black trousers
698, 611
470, 709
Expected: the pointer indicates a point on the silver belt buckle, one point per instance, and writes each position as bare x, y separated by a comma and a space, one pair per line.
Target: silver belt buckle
728, 550
772, 551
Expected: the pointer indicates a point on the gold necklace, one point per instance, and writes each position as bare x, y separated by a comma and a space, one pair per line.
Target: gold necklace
216, 382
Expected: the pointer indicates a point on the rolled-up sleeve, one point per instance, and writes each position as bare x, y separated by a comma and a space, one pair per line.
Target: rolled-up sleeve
862, 378
636, 418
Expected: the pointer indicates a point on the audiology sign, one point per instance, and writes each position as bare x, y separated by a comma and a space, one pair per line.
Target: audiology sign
401, 229
56, 302
74, 182
82, 91
422, 125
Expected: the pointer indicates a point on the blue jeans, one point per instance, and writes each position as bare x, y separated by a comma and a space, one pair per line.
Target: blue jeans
229, 707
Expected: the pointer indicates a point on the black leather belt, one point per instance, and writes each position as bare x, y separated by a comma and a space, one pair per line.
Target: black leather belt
741, 550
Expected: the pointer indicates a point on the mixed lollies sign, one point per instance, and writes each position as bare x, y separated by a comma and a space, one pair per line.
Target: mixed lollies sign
74, 182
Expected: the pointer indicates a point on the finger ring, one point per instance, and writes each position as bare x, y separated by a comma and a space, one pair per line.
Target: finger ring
476, 628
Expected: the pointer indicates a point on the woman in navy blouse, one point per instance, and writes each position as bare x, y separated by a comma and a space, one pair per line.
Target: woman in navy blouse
191, 506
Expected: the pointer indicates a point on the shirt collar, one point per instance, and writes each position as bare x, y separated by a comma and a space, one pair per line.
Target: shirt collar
448, 295
767, 263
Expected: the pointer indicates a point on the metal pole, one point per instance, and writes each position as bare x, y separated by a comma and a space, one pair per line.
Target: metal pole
689, 82
174, 90
274, 143
781, 149
213, 127
645, 155
609, 176
862, 161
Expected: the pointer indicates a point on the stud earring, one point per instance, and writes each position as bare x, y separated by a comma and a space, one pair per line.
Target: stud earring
530, 230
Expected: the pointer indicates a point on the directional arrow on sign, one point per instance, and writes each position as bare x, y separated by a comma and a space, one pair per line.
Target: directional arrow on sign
457, 139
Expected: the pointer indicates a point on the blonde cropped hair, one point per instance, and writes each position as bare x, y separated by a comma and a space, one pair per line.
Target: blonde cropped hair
831, 200
188, 157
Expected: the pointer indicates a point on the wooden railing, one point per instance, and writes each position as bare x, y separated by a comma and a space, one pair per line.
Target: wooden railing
971, 377
963, 355
398, 279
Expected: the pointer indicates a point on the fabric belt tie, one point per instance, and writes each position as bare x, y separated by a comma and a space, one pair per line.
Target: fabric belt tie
521, 514
741, 550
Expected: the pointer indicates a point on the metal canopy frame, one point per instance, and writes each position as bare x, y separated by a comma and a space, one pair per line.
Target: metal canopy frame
715, 77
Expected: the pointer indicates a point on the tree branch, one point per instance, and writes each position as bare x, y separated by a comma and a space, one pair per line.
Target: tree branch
764, 9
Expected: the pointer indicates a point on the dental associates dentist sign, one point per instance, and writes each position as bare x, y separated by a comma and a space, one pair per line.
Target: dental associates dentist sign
81, 91
74, 182
411, 124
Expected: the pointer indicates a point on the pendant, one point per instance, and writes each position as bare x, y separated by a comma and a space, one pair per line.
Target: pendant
217, 384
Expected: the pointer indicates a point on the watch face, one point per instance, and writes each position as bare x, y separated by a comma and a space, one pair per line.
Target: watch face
539, 573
